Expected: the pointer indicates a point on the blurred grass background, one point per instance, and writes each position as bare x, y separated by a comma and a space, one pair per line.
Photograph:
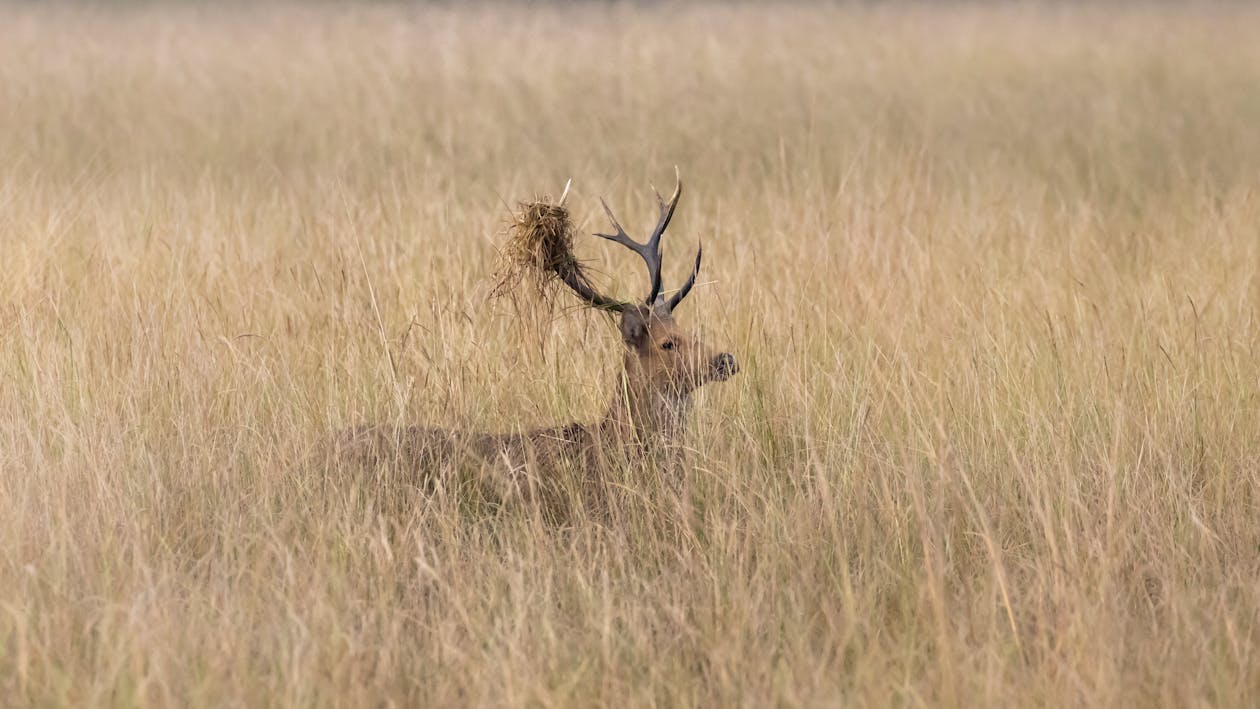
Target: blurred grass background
990, 272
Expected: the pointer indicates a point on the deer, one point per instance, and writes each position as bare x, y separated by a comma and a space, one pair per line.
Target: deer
662, 367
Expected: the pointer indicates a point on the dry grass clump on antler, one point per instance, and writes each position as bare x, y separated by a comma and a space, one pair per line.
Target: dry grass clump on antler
538, 251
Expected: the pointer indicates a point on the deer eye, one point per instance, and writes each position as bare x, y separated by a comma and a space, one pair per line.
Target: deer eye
668, 345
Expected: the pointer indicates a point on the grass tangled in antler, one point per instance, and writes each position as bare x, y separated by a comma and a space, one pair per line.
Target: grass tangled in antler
539, 250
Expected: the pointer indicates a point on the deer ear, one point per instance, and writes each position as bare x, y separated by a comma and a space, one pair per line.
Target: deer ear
634, 329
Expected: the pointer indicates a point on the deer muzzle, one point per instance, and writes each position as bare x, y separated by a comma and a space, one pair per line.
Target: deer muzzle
724, 367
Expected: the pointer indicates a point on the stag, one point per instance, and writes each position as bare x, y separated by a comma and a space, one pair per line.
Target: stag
662, 366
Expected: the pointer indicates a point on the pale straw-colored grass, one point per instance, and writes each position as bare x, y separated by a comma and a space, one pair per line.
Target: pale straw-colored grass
991, 274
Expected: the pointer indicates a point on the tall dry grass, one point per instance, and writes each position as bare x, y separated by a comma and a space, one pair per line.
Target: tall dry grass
991, 273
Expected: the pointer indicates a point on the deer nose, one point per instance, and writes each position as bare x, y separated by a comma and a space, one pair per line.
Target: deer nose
725, 366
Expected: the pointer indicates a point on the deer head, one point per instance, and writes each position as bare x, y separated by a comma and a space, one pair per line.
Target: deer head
663, 362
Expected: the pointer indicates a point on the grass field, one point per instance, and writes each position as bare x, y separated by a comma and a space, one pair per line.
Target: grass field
992, 274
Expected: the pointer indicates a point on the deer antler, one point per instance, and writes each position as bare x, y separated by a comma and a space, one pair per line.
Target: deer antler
576, 280
649, 251
677, 298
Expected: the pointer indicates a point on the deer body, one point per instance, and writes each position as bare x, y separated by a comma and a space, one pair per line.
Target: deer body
662, 366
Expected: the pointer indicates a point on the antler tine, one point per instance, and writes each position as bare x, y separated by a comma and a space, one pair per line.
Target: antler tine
621, 237
667, 210
677, 298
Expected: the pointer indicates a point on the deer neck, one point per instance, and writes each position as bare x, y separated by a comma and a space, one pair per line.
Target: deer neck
646, 416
